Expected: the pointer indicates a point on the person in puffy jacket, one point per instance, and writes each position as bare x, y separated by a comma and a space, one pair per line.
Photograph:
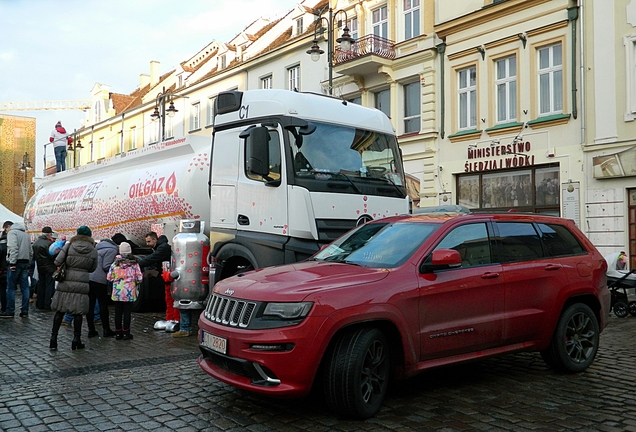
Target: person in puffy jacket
106, 252
19, 256
3, 265
80, 256
60, 140
125, 275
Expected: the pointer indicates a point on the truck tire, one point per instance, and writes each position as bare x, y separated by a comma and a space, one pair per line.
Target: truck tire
575, 340
356, 373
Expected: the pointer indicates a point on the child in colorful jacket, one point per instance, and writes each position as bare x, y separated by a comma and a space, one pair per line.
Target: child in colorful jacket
125, 275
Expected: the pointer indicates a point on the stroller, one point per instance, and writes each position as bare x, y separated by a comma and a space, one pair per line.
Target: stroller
622, 286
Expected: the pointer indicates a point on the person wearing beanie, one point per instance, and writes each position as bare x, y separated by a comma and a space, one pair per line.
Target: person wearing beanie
118, 238
61, 140
125, 274
107, 250
71, 296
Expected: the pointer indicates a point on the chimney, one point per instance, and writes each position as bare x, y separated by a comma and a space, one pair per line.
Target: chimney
154, 73
144, 80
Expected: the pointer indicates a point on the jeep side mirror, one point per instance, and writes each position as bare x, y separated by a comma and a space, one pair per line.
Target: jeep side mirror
441, 259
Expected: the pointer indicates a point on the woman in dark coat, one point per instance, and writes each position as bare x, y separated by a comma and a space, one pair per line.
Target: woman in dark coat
71, 295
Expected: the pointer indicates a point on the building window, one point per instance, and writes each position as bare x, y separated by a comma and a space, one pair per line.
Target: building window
210, 119
353, 28
299, 26
133, 138
630, 83
266, 82
293, 75
380, 19
356, 100
412, 107
383, 102
534, 190
169, 127
154, 132
98, 111
195, 116
102, 148
467, 98
411, 18
506, 88
550, 80
223, 62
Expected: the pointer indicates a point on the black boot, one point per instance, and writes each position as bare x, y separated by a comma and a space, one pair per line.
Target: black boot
77, 331
77, 343
127, 335
119, 335
53, 342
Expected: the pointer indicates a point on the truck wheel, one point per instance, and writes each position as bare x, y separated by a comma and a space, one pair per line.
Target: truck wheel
575, 340
356, 373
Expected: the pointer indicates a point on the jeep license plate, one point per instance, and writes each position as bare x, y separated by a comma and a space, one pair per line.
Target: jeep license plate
215, 343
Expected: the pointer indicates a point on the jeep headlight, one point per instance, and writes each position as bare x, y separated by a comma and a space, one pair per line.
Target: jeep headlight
287, 311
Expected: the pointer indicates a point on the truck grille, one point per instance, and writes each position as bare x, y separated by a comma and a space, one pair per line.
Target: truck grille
228, 311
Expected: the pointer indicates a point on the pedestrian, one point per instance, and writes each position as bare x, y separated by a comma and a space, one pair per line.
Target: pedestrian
3, 265
60, 140
107, 250
19, 256
161, 252
125, 274
71, 296
45, 266
185, 324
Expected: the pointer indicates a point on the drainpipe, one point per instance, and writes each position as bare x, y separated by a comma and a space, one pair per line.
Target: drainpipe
582, 69
121, 138
441, 49
573, 14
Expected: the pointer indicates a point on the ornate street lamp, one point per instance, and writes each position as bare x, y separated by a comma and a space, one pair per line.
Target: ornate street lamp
345, 41
160, 112
25, 166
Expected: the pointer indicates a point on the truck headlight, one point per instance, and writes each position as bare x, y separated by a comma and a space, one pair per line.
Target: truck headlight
287, 310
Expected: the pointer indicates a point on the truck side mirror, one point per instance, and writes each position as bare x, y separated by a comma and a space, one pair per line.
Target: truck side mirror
257, 151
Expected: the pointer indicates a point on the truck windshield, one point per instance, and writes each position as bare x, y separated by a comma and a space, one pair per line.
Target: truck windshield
336, 157
378, 245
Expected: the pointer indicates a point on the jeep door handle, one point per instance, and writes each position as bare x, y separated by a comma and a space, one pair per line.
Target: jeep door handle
490, 275
550, 267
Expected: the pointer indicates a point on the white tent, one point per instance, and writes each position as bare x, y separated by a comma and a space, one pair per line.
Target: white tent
8, 215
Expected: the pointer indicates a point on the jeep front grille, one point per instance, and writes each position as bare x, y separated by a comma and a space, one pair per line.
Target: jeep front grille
228, 311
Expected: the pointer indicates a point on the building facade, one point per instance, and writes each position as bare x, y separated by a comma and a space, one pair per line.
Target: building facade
17, 149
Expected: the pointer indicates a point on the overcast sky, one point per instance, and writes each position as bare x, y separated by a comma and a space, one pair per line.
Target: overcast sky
58, 50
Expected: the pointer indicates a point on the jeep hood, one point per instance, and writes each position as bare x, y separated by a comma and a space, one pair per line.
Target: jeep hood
293, 282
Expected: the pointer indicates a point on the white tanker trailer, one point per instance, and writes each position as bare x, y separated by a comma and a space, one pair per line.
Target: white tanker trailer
149, 188
284, 173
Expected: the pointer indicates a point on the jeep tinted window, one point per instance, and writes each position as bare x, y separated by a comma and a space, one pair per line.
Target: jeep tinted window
472, 243
559, 241
518, 241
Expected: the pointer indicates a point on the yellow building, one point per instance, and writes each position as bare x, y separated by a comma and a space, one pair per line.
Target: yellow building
17, 149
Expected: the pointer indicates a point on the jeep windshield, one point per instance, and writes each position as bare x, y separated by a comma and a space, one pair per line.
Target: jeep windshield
378, 245
328, 158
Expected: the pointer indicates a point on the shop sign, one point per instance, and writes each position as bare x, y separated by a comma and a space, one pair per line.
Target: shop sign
496, 157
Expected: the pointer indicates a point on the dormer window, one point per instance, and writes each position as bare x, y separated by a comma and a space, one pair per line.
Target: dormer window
299, 26
223, 62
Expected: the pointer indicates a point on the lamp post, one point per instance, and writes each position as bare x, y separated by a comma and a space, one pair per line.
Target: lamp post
74, 145
345, 41
25, 166
160, 112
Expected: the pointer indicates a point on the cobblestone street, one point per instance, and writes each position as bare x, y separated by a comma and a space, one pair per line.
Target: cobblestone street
154, 383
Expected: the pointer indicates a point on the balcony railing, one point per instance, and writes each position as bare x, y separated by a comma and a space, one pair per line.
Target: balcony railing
366, 45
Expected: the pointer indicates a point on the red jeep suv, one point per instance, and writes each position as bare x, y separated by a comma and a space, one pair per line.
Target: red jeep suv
399, 295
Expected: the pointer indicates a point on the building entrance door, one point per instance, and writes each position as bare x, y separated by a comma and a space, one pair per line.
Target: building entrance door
632, 227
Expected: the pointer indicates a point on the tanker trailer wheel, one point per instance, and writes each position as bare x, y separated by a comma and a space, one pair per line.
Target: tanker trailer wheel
632, 308
620, 309
356, 374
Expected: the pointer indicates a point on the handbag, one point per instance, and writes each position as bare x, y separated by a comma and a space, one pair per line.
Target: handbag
59, 274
